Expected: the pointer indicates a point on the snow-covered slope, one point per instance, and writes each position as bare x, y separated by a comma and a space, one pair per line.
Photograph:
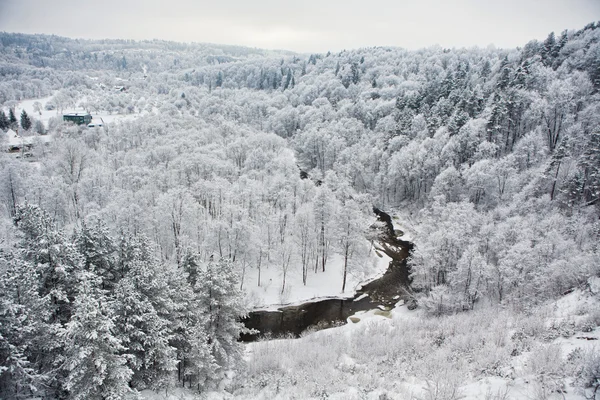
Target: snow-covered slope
490, 353
319, 284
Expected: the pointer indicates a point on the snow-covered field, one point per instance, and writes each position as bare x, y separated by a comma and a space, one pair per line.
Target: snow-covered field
44, 115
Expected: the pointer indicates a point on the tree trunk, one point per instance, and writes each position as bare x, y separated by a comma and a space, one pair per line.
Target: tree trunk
554, 182
347, 247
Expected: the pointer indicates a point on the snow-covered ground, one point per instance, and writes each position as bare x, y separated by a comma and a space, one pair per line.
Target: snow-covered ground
403, 223
540, 370
319, 284
12, 139
491, 353
402, 354
28, 106
44, 115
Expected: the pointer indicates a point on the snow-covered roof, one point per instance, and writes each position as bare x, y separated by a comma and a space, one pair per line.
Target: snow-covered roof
75, 114
10, 134
14, 140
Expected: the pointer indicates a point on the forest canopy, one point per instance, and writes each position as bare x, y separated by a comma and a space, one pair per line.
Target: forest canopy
125, 249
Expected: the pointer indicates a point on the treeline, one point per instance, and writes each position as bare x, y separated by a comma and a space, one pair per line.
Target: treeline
91, 316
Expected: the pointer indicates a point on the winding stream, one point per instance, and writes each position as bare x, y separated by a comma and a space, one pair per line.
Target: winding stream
320, 314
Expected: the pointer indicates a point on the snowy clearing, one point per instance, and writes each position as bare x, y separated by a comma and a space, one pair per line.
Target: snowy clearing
319, 284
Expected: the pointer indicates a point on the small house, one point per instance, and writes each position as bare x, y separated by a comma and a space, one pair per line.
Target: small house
78, 118
17, 144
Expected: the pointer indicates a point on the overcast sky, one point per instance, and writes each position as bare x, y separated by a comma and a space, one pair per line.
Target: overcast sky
304, 25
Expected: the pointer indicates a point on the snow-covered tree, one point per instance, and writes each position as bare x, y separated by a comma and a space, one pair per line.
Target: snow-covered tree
142, 308
25, 121
350, 232
94, 360
221, 302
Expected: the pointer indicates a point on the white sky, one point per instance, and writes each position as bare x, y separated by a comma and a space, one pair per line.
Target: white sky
304, 25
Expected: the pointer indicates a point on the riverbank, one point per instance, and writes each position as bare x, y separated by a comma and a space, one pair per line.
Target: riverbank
380, 293
489, 353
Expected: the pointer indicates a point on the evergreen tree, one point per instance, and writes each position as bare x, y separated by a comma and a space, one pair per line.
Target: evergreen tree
25, 121
288, 79
220, 300
22, 331
592, 64
200, 367
549, 49
195, 364
12, 119
98, 250
355, 73
191, 267
94, 361
11, 184
4, 123
143, 307
504, 78
486, 69
55, 264
144, 333
590, 165
56, 260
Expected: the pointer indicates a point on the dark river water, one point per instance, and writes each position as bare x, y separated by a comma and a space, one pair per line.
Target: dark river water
383, 292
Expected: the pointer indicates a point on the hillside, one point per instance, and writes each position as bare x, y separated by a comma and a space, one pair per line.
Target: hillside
226, 178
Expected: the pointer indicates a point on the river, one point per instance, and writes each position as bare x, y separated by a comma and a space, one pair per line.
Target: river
382, 292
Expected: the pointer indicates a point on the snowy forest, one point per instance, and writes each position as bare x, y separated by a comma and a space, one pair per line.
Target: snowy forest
218, 180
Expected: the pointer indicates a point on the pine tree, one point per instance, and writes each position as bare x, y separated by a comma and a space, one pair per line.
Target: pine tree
55, 263
590, 165
288, 79
505, 72
199, 365
4, 123
355, 73
592, 64
11, 184
191, 266
486, 69
143, 307
94, 362
22, 331
144, 333
55, 259
12, 119
99, 252
25, 121
187, 321
549, 51
220, 299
